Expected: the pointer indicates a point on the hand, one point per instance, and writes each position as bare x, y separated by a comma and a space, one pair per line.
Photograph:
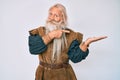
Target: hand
94, 39
57, 33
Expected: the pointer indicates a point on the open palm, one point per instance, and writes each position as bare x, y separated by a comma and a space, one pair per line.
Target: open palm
94, 39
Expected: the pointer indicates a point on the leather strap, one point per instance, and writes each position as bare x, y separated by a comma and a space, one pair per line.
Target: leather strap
54, 66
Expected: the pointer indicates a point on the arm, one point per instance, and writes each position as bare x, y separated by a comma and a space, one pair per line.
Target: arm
36, 44
75, 53
53, 34
78, 52
86, 44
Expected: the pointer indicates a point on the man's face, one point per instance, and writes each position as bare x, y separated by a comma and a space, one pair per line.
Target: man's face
55, 15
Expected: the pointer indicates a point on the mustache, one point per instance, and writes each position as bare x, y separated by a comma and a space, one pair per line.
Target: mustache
53, 22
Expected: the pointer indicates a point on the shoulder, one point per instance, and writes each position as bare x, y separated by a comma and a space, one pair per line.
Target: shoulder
72, 32
40, 30
74, 35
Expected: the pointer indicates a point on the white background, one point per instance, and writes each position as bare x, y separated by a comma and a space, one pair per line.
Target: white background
90, 17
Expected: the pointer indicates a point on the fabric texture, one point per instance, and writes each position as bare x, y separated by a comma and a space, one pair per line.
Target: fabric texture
71, 52
36, 44
75, 53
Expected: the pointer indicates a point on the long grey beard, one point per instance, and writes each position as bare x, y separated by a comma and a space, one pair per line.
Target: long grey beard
58, 44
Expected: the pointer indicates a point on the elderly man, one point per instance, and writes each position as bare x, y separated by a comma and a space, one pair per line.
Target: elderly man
55, 44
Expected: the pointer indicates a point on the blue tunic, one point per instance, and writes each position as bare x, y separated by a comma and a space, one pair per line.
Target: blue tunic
37, 46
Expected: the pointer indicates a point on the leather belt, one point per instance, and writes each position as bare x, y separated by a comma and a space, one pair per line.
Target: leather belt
54, 66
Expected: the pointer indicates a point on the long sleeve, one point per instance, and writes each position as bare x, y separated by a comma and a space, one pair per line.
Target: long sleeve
36, 44
75, 53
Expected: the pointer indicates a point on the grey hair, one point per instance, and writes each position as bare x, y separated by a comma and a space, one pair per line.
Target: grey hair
63, 11
58, 44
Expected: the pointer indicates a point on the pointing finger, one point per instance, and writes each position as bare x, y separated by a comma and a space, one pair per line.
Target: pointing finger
66, 31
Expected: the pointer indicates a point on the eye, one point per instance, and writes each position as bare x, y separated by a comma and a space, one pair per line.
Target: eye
50, 13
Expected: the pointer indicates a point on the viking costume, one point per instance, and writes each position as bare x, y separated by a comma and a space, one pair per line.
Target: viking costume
59, 69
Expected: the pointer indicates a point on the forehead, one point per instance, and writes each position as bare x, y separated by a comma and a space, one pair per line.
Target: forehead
55, 10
